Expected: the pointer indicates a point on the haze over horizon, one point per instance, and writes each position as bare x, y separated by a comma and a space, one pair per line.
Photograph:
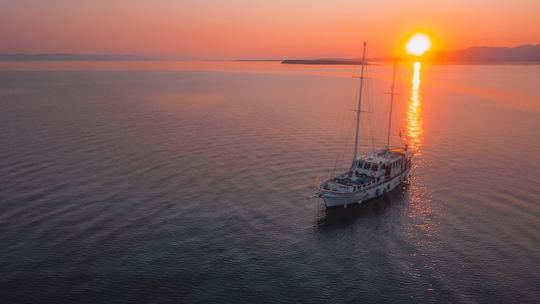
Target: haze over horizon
130, 56
255, 29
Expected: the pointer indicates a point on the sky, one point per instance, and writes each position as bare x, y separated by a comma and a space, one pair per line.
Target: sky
257, 29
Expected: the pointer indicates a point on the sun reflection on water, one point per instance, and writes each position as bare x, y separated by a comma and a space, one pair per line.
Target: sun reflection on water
420, 214
414, 122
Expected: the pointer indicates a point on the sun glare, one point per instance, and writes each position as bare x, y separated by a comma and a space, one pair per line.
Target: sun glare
418, 44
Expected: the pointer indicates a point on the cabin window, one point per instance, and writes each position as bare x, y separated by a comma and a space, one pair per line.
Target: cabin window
366, 166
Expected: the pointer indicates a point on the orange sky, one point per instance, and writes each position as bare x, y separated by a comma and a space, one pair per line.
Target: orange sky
231, 29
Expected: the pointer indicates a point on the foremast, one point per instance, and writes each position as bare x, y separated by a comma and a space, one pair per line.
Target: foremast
358, 110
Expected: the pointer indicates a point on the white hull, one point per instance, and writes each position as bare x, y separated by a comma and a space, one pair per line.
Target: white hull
334, 199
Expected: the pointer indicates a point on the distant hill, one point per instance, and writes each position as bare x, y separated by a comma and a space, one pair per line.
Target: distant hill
522, 54
69, 57
525, 54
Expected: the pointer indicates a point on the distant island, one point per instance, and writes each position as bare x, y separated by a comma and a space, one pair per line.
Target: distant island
524, 54
70, 57
258, 60
323, 61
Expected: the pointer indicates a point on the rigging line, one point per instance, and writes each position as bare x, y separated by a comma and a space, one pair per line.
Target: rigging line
342, 119
391, 104
379, 122
344, 140
345, 123
371, 118
338, 155
339, 125
334, 139
401, 106
344, 99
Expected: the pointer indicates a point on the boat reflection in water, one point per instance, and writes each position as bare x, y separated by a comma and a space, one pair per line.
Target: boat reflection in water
413, 116
389, 205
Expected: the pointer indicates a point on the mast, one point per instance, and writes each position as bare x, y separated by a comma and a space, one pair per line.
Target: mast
355, 156
391, 103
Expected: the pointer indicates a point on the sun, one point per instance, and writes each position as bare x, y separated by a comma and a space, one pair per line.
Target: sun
418, 44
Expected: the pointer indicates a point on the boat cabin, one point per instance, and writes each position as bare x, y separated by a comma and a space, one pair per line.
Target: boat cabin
371, 169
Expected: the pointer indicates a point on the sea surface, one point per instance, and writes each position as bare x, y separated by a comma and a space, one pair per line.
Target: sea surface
189, 182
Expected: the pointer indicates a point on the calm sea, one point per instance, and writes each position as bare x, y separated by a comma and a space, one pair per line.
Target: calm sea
188, 183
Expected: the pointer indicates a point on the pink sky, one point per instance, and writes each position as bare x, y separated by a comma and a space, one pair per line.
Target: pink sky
260, 29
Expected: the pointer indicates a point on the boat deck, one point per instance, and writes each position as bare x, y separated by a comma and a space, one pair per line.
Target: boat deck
347, 181
384, 155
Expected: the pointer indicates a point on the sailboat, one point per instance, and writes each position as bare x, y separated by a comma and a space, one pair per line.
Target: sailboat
370, 175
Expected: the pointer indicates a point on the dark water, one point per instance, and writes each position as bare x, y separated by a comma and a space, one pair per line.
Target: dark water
190, 186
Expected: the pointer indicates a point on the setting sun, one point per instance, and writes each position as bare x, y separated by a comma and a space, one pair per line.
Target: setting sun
418, 44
